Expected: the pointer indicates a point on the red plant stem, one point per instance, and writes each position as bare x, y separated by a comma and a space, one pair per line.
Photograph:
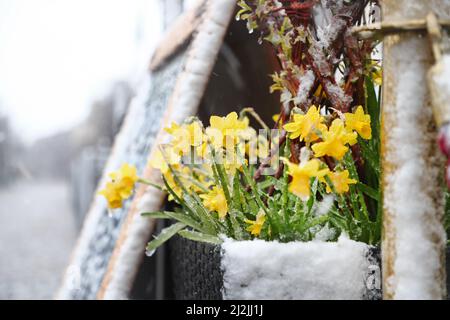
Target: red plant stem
323, 66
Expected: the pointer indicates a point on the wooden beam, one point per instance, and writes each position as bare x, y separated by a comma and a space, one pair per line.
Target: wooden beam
177, 35
413, 240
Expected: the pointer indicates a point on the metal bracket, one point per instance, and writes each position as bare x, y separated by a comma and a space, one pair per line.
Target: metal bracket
386, 28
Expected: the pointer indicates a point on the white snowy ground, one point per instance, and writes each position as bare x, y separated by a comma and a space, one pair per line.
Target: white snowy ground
37, 233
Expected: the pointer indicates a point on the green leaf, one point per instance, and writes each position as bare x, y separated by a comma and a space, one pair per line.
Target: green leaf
253, 206
350, 165
220, 176
318, 220
198, 236
177, 198
254, 188
238, 231
274, 217
155, 215
149, 183
178, 216
373, 108
165, 235
191, 207
193, 203
338, 221
201, 212
285, 190
369, 191
312, 198
237, 195
370, 156
268, 182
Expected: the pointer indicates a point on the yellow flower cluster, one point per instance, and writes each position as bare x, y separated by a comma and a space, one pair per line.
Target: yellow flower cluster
302, 173
332, 141
121, 186
191, 142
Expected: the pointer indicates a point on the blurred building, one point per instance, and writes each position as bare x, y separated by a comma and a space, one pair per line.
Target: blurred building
5, 154
11, 149
78, 155
47, 158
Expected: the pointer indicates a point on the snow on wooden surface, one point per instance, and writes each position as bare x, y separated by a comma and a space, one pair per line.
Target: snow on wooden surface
414, 237
406, 194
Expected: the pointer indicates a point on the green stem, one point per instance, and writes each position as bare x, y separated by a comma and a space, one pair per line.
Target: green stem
149, 183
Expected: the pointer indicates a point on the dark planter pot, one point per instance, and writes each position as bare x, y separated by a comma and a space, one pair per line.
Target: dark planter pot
197, 274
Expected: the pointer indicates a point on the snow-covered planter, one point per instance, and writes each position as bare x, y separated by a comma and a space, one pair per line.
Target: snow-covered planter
258, 269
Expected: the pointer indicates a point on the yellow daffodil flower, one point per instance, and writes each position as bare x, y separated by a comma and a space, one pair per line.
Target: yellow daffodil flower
376, 73
334, 141
263, 147
215, 137
226, 130
305, 126
215, 201
162, 162
195, 133
187, 136
255, 226
173, 185
121, 187
204, 180
230, 122
173, 128
275, 117
124, 179
202, 150
232, 165
360, 122
248, 133
112, 195
340, 181
301, 174
256, 145
377, 77
320, 93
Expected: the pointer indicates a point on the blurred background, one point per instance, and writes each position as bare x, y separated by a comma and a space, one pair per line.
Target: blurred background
68, 70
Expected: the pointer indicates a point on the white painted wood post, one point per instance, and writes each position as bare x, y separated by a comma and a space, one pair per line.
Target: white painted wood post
413, 241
